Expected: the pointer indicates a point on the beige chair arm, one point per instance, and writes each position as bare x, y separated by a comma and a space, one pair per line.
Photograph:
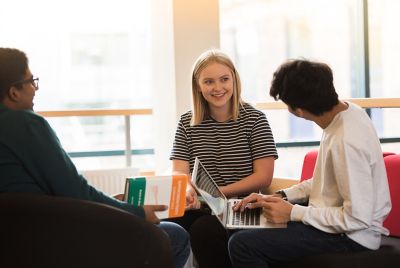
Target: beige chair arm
280, 183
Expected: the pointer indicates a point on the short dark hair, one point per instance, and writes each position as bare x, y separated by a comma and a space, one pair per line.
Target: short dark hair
13, 67
305, 84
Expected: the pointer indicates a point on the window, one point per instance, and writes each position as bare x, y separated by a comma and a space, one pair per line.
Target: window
281, 30
384, 57
88, 54
261, 34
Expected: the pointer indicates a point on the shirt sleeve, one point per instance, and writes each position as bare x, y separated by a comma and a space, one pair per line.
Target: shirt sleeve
261, 139
54, 171
180, 149
300, 192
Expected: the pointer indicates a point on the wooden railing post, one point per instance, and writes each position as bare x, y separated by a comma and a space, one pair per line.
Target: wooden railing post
128, 145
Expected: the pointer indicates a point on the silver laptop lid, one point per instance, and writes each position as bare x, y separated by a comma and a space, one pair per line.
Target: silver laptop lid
209, 190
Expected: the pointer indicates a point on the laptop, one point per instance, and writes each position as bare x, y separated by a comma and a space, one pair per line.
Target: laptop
222, 207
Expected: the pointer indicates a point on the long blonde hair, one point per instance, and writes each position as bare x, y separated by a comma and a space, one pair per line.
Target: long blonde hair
201, 108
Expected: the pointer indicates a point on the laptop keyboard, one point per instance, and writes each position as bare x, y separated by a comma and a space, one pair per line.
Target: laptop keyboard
250, 217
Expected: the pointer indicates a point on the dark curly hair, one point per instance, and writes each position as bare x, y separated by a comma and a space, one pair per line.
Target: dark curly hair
13, 67
305, 84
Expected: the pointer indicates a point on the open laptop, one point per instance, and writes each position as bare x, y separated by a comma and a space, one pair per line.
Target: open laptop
222, 207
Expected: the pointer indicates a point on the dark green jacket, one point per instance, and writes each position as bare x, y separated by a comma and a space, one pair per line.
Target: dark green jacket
33, 160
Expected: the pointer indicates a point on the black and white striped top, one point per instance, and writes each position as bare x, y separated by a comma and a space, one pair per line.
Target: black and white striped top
227, 150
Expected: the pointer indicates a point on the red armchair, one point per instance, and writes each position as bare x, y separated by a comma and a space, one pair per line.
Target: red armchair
389, 253
392, 222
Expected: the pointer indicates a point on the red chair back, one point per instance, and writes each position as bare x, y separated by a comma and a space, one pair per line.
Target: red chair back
308, 165
310, 159
387, 154
392, 222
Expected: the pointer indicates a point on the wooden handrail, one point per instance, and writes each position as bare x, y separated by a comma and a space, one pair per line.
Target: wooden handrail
96, 112
127, 113
363, 102
377, 102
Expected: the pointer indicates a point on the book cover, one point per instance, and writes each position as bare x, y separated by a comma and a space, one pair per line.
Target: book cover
158, 190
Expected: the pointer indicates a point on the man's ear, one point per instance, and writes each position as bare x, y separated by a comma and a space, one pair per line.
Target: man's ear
13, 94
299, 112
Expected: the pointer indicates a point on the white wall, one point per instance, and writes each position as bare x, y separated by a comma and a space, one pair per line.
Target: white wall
188, 28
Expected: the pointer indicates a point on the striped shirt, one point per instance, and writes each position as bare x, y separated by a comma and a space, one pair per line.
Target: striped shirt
227, 150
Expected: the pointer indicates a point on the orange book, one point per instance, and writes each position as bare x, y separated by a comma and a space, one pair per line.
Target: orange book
158, 190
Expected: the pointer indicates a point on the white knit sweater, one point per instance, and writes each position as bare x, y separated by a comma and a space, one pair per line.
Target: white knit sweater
349, 191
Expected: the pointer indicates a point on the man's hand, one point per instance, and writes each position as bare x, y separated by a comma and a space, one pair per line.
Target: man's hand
275, 209
119, 197
150, 215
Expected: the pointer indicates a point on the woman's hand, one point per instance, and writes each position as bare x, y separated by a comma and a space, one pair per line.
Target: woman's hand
192, 202
183, 167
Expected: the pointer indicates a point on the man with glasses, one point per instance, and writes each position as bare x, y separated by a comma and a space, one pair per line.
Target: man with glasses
21, 93
33, 161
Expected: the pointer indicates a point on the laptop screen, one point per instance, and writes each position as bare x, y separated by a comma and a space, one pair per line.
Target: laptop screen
210, 191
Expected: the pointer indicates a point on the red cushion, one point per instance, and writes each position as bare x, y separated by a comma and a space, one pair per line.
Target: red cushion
392, 222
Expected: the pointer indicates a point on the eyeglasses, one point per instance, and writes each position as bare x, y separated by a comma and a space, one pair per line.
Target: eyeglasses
33, 81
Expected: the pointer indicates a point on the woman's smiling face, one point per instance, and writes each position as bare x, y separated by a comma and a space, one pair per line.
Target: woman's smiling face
216, 85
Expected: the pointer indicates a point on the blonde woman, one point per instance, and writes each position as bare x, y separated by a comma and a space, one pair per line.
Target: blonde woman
234, 142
